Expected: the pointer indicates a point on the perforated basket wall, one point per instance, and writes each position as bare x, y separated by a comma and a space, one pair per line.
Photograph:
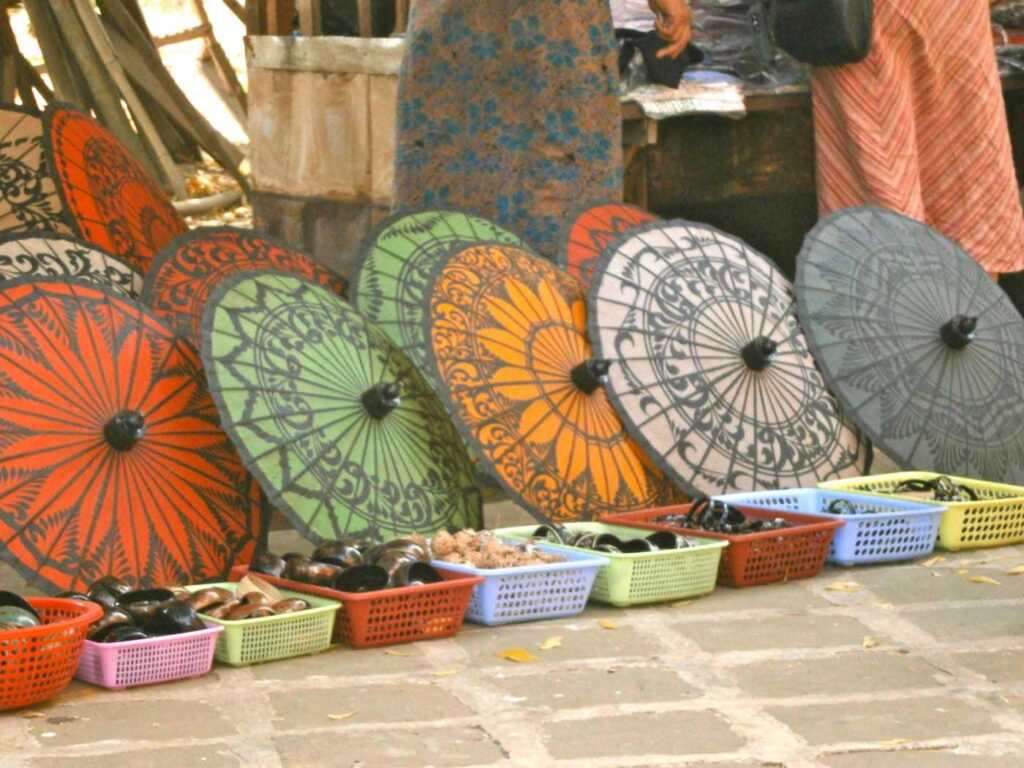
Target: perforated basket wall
37, 663
254, 641
995, 520
144, 662
649, 577
400, 615
882, 529
754, 558
546, 591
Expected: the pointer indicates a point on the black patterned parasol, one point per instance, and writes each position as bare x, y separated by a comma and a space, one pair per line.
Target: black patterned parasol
29, 198
709, 368
922, 347
49, 254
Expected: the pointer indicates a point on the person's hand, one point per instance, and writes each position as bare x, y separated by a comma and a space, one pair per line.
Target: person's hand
673, 25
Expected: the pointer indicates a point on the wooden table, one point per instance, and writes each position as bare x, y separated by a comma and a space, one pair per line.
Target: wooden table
752, 176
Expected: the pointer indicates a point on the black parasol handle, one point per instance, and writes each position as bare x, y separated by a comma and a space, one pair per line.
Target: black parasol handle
381, 399
758, 353
958, 332
589, 376
125, 430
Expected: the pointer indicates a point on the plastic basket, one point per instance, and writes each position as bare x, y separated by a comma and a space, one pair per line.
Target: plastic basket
387, 617
881, 530
995, 520
154, 660
646, 577
767, 557
531, 592
37, 663
254, 641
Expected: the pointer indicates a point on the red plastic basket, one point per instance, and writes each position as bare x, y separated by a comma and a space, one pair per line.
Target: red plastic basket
37, 663
387, 617
754, 558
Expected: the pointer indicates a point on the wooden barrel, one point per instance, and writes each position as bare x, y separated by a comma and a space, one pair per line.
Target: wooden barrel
322, 116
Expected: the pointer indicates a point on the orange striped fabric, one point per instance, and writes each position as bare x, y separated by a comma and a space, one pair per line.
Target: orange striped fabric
919, 126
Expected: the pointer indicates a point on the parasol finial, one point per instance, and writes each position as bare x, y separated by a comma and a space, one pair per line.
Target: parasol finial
590, 375
757, 354
125, 430
958, 332
381, 399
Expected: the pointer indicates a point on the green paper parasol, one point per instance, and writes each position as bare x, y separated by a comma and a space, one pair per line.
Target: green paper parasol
342, 431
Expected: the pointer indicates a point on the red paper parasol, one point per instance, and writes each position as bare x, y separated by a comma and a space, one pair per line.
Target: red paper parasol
108, 197
587, 233
507, 336
185, 272
112, 453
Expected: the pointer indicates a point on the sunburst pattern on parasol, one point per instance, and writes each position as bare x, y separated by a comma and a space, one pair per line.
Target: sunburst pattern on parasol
29, 199
507, 335
924, 350
342, 430
49, 254
588, 231
113, 458
107, 195
186, 271
392, 287
709, 368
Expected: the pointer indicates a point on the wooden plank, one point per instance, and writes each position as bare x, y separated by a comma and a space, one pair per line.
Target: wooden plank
341, 55
255, 17
280, 14
365, 10
200, 32
236, 8
383, 96
310, 18
8, 76
213, 53
401, 16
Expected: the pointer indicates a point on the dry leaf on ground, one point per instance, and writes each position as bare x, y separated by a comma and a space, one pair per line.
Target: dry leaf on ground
843, 586
932, 561
1018, 571
894, 742
395, 652
518, 655
681, 603
868, 642
445, 672
983, 580
342, 715
608, 624
552, 642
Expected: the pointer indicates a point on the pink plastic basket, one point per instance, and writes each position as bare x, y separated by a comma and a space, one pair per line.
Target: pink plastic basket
154, 660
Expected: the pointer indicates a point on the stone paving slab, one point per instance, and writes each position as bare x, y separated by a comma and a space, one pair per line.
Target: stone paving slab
767, 677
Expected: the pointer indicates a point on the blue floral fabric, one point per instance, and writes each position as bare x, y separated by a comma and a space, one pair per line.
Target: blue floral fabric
509, 110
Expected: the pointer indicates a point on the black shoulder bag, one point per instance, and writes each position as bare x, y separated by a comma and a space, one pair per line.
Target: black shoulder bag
822, 32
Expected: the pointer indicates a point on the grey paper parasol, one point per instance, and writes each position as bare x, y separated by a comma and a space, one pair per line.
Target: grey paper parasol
922, 347
710, 370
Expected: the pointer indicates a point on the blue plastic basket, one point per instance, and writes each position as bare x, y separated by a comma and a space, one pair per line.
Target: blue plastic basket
531, 592
882, 530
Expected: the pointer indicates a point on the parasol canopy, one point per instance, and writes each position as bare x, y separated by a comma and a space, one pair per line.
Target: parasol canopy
184, 273
709, 367
924, 350
113, 458
343, 432
392, 287
30, 200
107, 196
507, 334
590, 230
49, 254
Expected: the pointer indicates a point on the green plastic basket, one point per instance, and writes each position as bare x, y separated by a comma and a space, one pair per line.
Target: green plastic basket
646, 577
254, 641
995, 520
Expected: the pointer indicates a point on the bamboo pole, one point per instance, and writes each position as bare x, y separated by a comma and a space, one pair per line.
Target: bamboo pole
66, 81
102, 46
235, 7
215, 53
105, 98
152, 76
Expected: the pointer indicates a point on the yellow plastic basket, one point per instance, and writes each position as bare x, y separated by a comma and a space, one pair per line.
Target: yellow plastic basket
646, 577
254, 641
996, 519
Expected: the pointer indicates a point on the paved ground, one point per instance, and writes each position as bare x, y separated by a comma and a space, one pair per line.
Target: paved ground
919, 666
